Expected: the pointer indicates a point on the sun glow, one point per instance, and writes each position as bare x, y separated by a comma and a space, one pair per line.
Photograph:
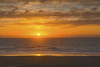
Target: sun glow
38, 55
38, 34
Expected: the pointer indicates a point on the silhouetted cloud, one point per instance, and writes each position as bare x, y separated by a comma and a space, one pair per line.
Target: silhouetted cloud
51, 0
56, 12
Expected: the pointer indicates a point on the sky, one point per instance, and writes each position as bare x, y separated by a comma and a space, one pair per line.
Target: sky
50, 18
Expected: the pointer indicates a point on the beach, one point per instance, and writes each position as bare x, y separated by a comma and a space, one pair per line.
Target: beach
49, 61
50, 52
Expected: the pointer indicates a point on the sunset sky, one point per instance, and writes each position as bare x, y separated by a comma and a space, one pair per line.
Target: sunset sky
50, 18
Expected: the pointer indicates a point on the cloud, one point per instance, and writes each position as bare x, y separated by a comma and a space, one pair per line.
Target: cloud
51, 0
54, 12
53, 23
41, 13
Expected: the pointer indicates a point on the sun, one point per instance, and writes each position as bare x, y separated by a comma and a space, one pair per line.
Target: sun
38, 34
38, 55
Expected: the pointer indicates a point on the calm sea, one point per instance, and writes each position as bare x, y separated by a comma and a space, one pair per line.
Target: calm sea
64, 46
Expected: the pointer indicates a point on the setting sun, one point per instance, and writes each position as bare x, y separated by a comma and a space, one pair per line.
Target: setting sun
38, 55
38, 34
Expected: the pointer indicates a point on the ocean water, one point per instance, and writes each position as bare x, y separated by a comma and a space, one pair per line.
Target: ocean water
50, 46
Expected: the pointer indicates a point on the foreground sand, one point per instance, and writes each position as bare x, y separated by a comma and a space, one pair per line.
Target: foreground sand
47, 61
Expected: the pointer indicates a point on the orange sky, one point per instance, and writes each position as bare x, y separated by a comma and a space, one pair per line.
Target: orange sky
50, 18
30, 32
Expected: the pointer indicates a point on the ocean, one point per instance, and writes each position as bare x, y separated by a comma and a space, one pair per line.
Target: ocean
50, 46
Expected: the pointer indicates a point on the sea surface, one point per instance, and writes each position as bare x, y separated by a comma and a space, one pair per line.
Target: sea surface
50, 46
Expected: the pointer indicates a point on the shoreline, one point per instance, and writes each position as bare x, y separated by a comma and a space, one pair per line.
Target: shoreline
49, 53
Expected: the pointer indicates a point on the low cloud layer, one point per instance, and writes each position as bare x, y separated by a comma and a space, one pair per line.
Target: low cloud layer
52, 12
49, 0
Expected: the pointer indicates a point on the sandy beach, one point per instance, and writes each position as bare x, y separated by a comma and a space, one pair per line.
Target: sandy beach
49, 61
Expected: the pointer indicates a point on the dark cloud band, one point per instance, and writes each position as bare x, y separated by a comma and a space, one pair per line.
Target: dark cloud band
49, 0
87, 12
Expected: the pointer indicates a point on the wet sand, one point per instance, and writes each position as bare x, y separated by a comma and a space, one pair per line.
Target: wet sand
49, 61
